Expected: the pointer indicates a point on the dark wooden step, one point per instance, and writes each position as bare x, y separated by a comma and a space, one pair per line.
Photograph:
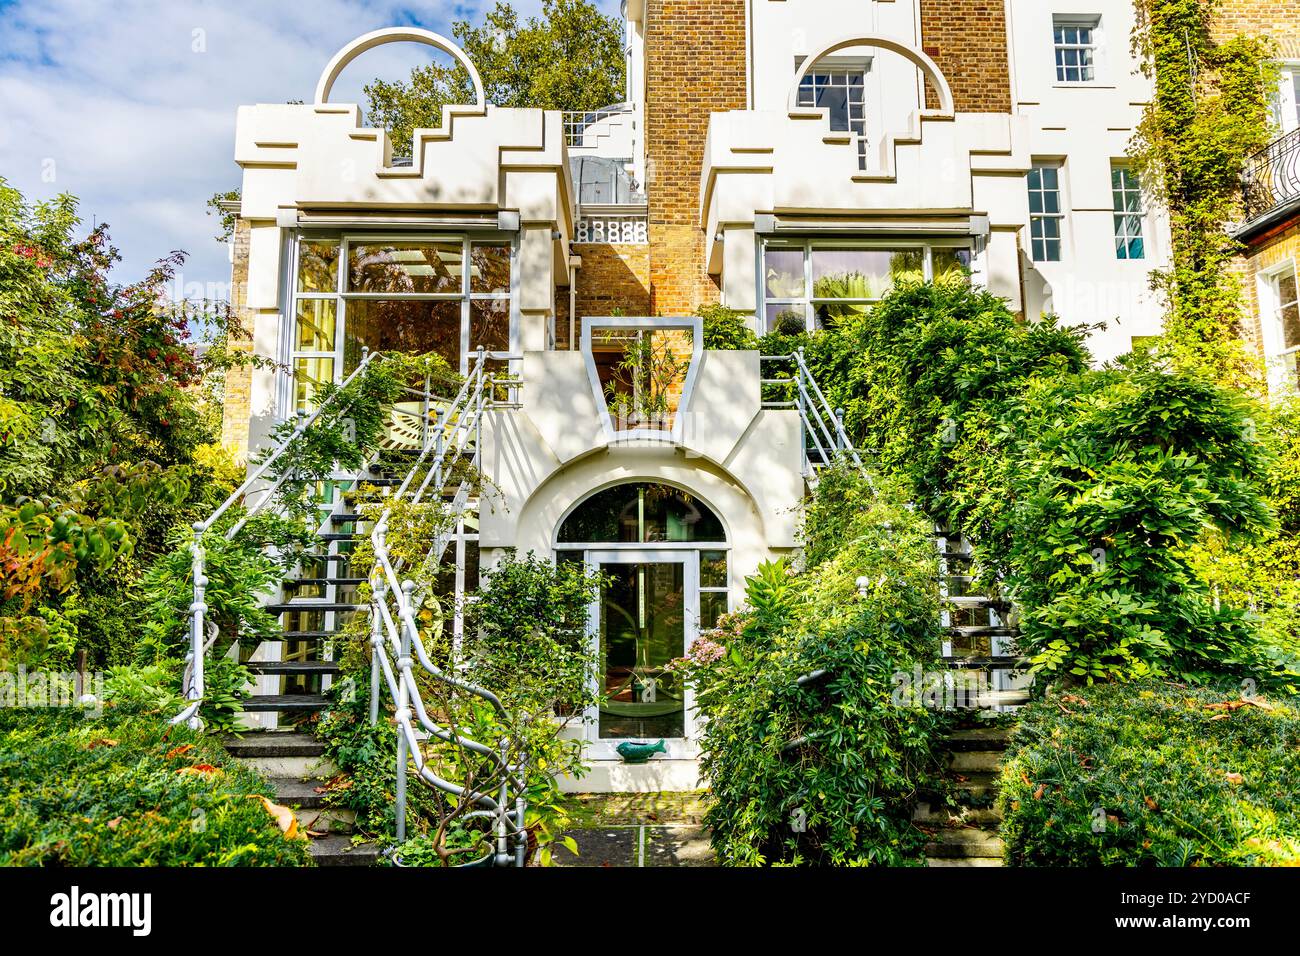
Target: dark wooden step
273, 743
339, 536
293, 667
997, 663
303, 636
346, 517
286, 702
308, 605
983, 630
342, 582
978, 738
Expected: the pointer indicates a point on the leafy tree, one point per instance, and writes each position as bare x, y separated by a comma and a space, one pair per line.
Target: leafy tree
104, 440
571, 58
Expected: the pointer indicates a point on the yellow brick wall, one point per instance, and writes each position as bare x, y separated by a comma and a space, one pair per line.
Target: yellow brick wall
237, 408
968, 40
1283, 246
695, 66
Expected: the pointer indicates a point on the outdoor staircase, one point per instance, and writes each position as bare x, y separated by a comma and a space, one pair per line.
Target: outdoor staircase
962, 824
979, 647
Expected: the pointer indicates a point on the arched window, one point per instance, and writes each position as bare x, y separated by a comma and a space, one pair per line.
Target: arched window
641, 513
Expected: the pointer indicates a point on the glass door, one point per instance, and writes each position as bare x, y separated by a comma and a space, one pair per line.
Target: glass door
645, 617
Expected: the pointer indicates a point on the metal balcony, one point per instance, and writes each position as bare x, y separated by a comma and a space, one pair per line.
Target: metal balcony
1271, 184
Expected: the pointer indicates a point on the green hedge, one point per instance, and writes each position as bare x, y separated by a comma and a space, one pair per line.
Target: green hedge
129, 791
1152, 775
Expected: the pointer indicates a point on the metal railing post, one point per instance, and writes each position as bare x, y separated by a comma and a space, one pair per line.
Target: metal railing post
403, 705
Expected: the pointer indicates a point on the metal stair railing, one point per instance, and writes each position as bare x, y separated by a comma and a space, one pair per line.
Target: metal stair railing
822, 424
200, 628
396, 645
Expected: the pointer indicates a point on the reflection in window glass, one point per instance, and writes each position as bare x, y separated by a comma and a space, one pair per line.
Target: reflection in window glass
713, 605
318, 266
405, 267
490, 268
642, 629
316, 323
489, 325
713, 569
951, 265
403, 325
641, 513
309, 374
783, 273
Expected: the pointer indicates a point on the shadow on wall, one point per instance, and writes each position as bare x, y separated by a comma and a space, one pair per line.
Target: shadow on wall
613, 280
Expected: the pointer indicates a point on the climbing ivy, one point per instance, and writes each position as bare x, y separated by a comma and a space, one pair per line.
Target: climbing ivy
1208, 114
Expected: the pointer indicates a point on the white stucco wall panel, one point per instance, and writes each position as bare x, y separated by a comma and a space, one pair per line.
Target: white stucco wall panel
723, 404
264, 266
557, 396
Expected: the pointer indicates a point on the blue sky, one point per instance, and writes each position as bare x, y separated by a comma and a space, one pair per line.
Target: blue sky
130, 105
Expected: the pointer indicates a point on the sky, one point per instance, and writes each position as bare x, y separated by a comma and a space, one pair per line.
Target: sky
130, 105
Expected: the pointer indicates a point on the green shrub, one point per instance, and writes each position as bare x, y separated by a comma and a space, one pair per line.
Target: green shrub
823, 772
726, 328
126, 789
1150, 774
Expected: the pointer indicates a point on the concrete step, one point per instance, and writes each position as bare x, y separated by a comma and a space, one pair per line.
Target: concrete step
327, 821
964, 861
291, 767
966, 844
932, 815
979, 738
338, 850
977, 785
299, 793
274, 743
975, 761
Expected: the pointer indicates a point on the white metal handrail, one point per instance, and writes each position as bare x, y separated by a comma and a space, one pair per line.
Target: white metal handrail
193, 675
822, 423
396, 645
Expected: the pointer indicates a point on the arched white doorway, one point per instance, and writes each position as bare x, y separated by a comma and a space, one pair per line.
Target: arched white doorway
663, 556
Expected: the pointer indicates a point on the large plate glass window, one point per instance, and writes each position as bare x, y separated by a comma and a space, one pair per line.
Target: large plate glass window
450, 295
815, 285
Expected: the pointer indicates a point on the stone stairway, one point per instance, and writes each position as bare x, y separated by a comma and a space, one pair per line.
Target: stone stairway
296, 766
963, 827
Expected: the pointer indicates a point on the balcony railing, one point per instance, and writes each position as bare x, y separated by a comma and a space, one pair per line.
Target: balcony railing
1272, 177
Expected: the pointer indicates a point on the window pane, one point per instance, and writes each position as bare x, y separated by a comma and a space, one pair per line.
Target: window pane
309, 374
639, 513
951, 265
1286, 289
410, 326
316, 323
489, 325
1291, 326
490, 268
827, 315
318, 266
642, 629
785, 318
864, 273
405, 267
713, 604
713, 569
783, 273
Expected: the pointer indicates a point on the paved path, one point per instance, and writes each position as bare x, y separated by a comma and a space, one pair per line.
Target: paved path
637, 829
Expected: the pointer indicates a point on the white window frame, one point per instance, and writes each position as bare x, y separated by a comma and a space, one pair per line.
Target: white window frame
341, 296
1282, 364
1286, 101
1059, 215
1091, 23
1122, 213
845, 67
808, 302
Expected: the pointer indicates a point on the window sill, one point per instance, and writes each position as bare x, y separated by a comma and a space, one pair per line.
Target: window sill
1083, 86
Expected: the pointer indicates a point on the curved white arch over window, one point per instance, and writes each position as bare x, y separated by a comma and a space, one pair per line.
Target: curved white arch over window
927, 66
369, 41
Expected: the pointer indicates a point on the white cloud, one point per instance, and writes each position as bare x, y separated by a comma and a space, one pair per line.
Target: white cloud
130, 106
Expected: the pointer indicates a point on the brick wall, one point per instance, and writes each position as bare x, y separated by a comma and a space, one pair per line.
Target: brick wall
613, 278
968, 39
1281, 247
237, 407
1278, 19
695, 66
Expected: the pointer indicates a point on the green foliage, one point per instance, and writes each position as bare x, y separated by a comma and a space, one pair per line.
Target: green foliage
105, 437
128, 790
834, 753
1152, 774
1210, 112
571, 58
226, 219
1086, 491
726, 328
1115, 475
